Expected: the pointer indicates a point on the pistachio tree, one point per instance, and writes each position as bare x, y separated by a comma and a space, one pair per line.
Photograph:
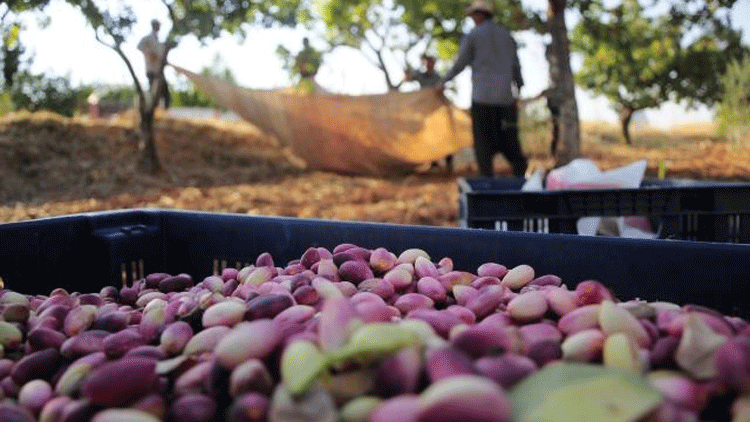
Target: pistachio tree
203, 19
639, 58
10, 28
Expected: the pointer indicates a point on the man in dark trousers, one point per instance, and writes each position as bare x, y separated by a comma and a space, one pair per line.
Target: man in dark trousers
491, 52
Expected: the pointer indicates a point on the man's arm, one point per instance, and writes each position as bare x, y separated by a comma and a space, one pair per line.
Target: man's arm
143, 43
464, 58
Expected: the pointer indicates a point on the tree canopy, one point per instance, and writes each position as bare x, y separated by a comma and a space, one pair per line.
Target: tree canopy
10, 28
639, 58
388, 32
204, 19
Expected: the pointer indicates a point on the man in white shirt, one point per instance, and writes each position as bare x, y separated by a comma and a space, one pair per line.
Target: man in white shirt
492, 54
152, 51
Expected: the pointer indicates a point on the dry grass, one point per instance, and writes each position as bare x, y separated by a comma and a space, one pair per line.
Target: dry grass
50, 165
649, 136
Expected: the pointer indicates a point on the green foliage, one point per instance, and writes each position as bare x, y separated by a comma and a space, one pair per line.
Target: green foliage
203, 19
18, 6
627, 55
638, 58
6, 103
35, 92
733, 114
388, 32
11, 56
10, 28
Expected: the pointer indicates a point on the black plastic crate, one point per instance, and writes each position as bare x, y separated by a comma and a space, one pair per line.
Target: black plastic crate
88, 251
678, 209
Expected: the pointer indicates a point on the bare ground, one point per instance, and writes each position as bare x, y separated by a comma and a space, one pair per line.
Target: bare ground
50, 165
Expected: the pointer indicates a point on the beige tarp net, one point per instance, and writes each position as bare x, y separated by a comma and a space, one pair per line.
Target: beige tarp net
368, 134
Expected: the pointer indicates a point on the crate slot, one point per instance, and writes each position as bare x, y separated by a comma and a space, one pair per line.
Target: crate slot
132, 271
220, 264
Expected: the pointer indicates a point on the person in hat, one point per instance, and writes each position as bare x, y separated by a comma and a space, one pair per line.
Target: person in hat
492, 54
153, 50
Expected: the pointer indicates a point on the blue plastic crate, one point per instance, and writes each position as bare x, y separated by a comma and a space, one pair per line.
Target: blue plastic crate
678, 209
88, 251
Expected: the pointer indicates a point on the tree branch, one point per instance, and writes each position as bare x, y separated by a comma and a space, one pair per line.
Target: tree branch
118, 50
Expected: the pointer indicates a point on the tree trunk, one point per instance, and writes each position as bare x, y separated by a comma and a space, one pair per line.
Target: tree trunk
148, 161
569, 147
626, 115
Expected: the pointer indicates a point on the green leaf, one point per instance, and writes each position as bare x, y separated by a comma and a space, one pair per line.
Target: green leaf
573, 392
301, 363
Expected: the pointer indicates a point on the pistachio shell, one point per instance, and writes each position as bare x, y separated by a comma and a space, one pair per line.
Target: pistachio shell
205, 340
194, 408
403, 408
432, 288
518, 277
53, 409
468, 398
591, 292
175, 336
447, 362
251, 407
528, 307
410, 255
124, 415
399, 278
9, 412
247, 340
583, 318
37, 365
228, 312
382, 260
360, 408
316, 405
399, 373
34, 395
583, 346
250, 376
492, 269
619, 352
135, 377
506, 369
338, 318
355, 271
411, 301
79, 319
696, 351
616, 319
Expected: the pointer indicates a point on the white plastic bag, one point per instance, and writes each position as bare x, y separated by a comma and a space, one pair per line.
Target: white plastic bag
584, 174
534, 182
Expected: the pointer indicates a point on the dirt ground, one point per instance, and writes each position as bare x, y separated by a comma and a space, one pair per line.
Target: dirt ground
50, 165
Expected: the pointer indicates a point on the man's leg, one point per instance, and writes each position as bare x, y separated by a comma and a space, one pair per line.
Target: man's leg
510, 145
151, 82
481, 125
165, 92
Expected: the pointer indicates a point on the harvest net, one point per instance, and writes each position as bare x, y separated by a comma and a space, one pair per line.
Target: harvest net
367, 134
